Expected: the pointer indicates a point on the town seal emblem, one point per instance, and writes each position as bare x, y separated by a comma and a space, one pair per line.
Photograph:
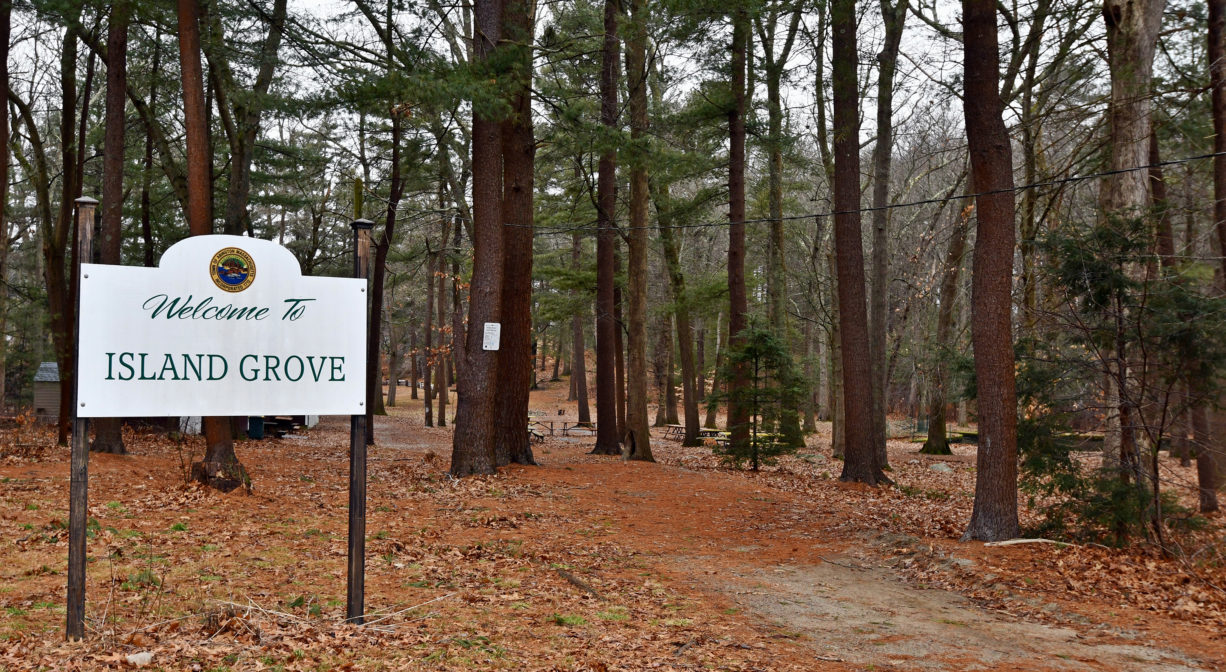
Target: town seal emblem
232, 269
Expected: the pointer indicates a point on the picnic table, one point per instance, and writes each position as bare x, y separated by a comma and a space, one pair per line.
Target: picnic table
563, 426
709, 432
676, 432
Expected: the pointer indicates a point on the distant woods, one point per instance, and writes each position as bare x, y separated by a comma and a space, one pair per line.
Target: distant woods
627, 187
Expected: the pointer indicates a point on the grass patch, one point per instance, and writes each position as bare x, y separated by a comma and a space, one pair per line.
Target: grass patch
568, 620
614, 614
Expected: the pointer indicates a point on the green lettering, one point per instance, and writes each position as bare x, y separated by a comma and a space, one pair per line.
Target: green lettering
315, 373
125, 360
271, 362
196, 367
338, 364
294, 311
301, 368
143, 375
255, 369
225, 367
168, 363
110, 357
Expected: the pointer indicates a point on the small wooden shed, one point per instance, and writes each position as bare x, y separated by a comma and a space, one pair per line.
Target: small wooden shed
47, 392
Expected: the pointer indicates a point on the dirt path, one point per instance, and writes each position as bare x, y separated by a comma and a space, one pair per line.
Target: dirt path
763, 550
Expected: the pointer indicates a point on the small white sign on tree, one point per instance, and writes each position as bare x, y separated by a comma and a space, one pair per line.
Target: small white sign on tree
225, 325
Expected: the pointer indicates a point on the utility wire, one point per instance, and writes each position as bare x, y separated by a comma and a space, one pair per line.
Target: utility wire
927, 201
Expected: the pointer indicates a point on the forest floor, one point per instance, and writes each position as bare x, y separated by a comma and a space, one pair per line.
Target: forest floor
581, 563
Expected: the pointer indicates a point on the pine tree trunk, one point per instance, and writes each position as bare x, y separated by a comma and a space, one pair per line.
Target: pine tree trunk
426, 384
108, 432
607, 441
442, 380
838, 418
637, 435
994, 516
893, 19
861, 461
938, 395
1211, 458
738, 307
6, 18
220, 467
713, 407
515, 366
414, 363
472, 450
146, 225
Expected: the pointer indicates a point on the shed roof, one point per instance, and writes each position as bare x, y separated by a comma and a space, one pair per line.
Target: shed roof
48, 372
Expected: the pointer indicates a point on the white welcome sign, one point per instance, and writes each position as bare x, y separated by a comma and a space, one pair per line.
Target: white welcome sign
225, 325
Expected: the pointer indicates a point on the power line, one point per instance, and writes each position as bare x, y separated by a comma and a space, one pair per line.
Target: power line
927, 201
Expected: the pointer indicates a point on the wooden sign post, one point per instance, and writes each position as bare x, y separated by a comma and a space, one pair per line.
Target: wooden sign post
356, 588
78, 484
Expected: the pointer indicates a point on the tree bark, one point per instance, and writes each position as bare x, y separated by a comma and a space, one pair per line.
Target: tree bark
773, 66
861, 461
738, 307
578, 369
893, 18
220, 467
515, 366
427, 388
606, 202
108, 432
994, 516
472, 450
1209, 456
690, 391
938, 397
6, 26
146, 224
637, 437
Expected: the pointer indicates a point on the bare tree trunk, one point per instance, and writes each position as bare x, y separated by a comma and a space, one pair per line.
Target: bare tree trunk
712, 407
515, 366
1210, 456
861, 461
108, 432
426, 386
659, 368
773, 66
938, 397
637, 435
578, 369
146, 225
414, 359
442, 380
738, 307
6, 25
606, 202
994, 516
220, 467
893, 18
472, 450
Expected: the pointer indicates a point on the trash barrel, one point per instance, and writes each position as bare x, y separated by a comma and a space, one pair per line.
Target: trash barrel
255, 427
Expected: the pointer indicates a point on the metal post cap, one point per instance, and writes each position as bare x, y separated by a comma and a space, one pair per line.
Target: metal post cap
362, 224
86, 200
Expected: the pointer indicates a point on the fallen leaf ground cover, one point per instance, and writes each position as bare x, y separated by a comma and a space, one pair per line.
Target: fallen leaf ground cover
584, 562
